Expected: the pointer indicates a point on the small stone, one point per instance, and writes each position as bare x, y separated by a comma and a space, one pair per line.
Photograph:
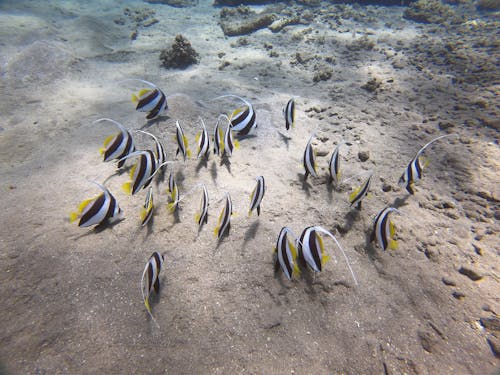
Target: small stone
386, 187
133, 35
444, 125
471, 274
448, 281
492, 323
426, 340
477, 249
363, 155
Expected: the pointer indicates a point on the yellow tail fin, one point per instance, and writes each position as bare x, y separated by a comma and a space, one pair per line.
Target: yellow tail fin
84, 204
353, 195
127, 187
73, 216
148, 307
393, 245
135, 99
236, 144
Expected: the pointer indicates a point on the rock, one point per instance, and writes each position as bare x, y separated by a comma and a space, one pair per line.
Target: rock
431, 11
471, 274
243, 20
492, 323
361, 44
175, 3
448, 281
282, 22
458, 295
323, 74
364, 155
492, 5
372, 85
180, 55
427, 340
445, 125
386, 187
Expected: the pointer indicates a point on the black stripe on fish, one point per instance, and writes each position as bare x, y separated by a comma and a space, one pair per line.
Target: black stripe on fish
244, 121
314, 248
257, 195
147, 99
129, 148
282, 247
114, 146
93, 210
361, 193
309, 161
289, 113
159, 108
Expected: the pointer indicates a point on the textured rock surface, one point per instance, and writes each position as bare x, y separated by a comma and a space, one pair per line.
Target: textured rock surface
180, 55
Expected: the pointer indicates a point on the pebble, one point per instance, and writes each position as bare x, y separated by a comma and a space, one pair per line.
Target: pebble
492, 323
471, 274
448, 281
458, 295
364, 155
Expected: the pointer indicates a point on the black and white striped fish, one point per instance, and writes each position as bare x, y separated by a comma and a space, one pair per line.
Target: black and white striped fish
182, 142
257, 195
97, 211
224, 223
242, 119
174, 193
413, 171
147, 209
312, 250
203, 141
142, 172
151, 100
229, 142
384, 230
202, 216
151, 279
160, 153
334, 165
286, 254
289, 114
309, 160
118, 145
218, 138
358, 194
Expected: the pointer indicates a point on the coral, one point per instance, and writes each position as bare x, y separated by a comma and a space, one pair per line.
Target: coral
432, 11
242, 20
175, 3
488, 5
180, 55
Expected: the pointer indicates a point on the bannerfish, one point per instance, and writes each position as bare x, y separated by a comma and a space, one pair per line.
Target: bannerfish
289, 114
358, 194
202, 216
242, 119
229, 142
334, 165
309, 160
182, 142
174, 193
384, 230
311, 249
257, 195
160, 153
147, 209
218, 138
413, 171
151, 100
118, 145
286, 254
224, 222
151, 279
203, 141
97, 211
141, 174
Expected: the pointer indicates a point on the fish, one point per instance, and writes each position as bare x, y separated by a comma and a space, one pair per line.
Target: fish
309, 160
182, 142
218, 138
224, 222
202, 216
257, 195
413, 171
286, 254
334, 165
160, 153
203, 141
97, 211
289, 114
118, 145
147, 210
358, 194
312, 250
242, 119
229, 143
174, 193
384, 230
151, 100
151, 279
141, 174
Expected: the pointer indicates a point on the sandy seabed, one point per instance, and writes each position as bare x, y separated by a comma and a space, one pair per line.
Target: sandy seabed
71, 300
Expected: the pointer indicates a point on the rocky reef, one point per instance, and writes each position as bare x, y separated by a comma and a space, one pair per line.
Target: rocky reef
180, 55
175, 3
242, 20
432, 11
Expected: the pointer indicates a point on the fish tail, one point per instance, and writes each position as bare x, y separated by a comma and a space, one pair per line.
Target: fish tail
102, 150
148, 306
143, 214
172, 206
197, 218
393, 245
216, 231
73, 216
325, 259
135, 99
236, 144
188, 153
249, 213
352, 196
296, 270
127, 187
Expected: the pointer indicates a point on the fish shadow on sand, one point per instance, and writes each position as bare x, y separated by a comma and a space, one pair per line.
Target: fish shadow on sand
224, 161
350, 217
243, 137
306, 186
150, 123
202, 163
369, 244
286, 139
118, 173
251, 232
222, 238
213, 171
100, 228
400, 202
